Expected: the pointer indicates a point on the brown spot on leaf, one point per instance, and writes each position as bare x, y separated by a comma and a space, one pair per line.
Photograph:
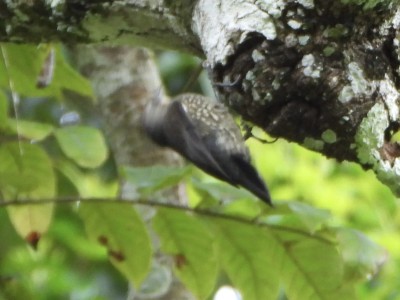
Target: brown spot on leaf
103, 240
119, 256
180, 261
33, 239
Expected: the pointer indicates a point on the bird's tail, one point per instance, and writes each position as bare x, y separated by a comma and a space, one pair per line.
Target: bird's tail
251, 180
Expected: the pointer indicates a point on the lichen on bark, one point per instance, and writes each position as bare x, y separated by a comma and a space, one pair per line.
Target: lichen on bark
325, 74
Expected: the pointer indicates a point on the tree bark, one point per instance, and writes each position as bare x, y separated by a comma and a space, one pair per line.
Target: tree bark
149, 23
124, 79
322, 73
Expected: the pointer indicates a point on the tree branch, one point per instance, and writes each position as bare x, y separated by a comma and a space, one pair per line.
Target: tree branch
150, 203
146, 23
323, 74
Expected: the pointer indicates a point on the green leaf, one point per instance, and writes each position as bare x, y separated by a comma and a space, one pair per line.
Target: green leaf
118, 227
26, 172
221, 191
24, 64
88, 184
245, 208
30, 130
3, 110
312, 217
312, 269
248, 258
297, 215
151, 179
67, 77
191, 244
69, 234
85, 145
363, 258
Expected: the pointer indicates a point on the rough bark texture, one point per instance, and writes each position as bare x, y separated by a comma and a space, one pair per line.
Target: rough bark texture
311, 82
124, 79
322, 73
150, 23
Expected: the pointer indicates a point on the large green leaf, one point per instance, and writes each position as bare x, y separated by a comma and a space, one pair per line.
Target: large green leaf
21, 68
26, 172
24, 64
68, 78
85, 145
150, 179
220, 191
297, 215
363, 257
118, 227
191, 244
69, 233
311, 217
30, 130
307, 217
88, 184
311, 269
248, 257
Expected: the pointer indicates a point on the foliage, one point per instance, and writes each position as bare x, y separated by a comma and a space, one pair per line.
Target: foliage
226, 236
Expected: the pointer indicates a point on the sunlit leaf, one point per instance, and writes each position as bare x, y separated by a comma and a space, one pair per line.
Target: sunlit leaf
88, 184
221, 191
312, 217
118, 227
363, 258
312, 269
68, 233
150, 179
26, 172
24, 64
30, 130
193, 249
248, 208
297, 215
248, 257
66, 77
21, 68
85, 145
283, 216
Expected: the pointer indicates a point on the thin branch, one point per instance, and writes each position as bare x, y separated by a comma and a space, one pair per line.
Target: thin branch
203, 212
14, 94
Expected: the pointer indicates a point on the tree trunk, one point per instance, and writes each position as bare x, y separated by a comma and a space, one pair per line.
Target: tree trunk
124, 79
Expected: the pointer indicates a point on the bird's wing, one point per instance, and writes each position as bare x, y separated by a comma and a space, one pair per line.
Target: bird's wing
184, 138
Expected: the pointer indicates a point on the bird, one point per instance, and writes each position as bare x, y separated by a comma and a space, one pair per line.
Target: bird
205, 133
